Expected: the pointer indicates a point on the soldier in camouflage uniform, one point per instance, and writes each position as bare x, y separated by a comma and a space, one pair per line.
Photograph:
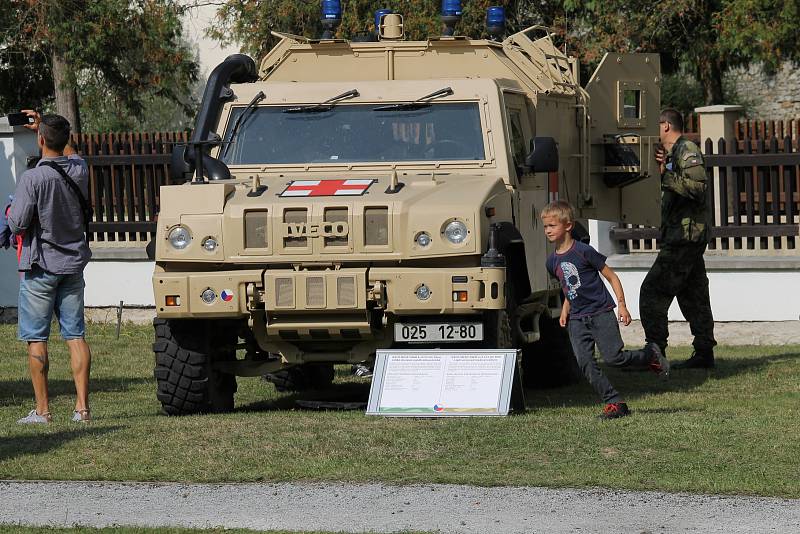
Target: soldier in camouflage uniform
679, 270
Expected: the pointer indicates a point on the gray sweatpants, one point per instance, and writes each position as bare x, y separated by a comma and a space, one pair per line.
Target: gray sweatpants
602, 330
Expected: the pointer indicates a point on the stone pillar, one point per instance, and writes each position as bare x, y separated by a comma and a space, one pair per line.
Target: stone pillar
717, 122
16, 144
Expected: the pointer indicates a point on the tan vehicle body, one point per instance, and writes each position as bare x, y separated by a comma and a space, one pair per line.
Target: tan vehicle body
324, 279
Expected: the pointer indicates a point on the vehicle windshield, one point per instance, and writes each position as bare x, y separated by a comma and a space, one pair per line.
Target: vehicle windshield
357, 133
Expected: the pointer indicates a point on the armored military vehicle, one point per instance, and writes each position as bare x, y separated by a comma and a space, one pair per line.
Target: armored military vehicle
352, 196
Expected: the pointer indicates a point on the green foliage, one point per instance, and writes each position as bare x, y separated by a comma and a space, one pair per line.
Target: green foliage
681, 92
129, 53
250, 23
705, 37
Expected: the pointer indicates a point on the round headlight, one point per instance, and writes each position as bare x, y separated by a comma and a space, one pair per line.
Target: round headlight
423, 292
179, 237
208, 295
455, 232
210, 244
423, 239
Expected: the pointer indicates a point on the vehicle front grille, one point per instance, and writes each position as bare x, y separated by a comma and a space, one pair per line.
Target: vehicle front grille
284, 292
346, 291
255, 229
315, 292
376, 226
336, 215
295, 216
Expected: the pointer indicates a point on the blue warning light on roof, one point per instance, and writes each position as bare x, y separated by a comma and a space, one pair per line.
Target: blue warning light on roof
451, 8
496, 16
331, 9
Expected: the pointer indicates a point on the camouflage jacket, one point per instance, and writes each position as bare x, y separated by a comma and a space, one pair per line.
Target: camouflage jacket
684, 213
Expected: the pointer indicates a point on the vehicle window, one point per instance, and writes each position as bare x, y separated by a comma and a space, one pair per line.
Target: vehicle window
517, 137
357, 133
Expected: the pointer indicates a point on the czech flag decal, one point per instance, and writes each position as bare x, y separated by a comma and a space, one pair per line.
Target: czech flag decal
438, 408
327, 188
226, 295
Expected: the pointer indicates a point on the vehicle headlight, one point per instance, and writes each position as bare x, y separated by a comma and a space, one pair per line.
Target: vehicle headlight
208, 295
210, 244
423, 292
455, 232
423, 239
179, 237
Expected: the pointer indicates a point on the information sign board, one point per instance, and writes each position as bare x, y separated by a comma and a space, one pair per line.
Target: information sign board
436, 383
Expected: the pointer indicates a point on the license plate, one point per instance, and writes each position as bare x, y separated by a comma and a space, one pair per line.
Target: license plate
438, 332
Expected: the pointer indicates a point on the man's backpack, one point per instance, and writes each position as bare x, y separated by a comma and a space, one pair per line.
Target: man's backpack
86, 209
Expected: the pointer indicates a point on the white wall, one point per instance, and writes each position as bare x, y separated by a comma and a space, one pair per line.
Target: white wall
108, 282
195, 23
735, 295
16, 144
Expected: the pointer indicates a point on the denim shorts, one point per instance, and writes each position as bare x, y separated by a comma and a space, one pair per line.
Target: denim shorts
42, 293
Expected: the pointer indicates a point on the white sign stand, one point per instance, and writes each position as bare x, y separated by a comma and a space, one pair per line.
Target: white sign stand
442, 383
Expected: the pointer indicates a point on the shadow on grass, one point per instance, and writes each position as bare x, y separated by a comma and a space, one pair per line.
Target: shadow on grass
12, 391
633, 384
44, 442
347, 392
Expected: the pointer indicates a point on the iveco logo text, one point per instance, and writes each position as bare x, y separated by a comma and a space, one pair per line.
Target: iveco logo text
328, 229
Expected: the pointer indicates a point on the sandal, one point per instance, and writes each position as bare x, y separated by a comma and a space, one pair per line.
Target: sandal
81, 416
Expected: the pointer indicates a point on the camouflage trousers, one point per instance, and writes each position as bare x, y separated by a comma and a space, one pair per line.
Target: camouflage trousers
679, 271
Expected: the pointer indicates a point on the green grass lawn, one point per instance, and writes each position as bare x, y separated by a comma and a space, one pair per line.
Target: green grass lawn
730, 430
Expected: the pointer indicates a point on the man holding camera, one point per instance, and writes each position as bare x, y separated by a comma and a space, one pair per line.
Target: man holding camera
51, 218
679, 270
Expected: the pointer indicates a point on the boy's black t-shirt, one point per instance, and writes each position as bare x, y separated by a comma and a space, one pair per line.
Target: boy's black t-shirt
578, 270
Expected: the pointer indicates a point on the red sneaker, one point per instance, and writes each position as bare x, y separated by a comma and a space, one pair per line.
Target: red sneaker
614, 410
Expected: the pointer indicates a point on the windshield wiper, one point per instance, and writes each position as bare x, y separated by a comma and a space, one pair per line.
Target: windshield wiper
241, 118
420, 103
324, 106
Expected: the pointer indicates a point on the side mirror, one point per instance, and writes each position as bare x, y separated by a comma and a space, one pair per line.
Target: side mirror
543, 156
179, 169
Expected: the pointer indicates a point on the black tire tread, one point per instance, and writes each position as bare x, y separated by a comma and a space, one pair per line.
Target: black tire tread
182, 370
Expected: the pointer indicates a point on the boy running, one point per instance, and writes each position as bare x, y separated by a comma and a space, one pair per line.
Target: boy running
588, 309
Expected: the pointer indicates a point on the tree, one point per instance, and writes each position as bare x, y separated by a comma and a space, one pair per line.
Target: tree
129, 50
704, 37
250, 23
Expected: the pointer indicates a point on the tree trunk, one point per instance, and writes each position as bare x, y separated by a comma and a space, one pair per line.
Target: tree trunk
710, 74
66, 94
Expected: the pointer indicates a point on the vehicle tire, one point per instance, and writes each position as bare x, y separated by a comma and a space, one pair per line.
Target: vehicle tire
498, 325
308, 376
185, 350
550, 362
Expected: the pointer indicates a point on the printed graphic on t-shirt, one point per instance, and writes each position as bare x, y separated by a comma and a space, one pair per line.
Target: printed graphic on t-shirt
572, 279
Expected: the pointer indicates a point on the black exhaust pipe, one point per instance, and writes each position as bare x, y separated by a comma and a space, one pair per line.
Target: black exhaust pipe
237, 68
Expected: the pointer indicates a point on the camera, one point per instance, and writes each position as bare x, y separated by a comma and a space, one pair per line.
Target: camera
19, 119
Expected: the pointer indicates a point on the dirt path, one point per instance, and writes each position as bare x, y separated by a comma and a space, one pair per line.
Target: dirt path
383, 508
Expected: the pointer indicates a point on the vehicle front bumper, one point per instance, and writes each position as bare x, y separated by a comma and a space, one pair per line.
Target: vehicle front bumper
334, 292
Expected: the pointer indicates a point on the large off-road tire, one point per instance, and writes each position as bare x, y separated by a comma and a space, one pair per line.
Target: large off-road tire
550, 362
309, 376
185, 350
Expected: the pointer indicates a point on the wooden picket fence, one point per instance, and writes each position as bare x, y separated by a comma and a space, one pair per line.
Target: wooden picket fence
766, 130
753, 199
755, 183
126, 171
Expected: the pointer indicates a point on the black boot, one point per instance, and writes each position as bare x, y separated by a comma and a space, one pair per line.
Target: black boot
700, 359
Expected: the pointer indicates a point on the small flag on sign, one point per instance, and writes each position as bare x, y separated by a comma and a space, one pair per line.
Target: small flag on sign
327, 188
